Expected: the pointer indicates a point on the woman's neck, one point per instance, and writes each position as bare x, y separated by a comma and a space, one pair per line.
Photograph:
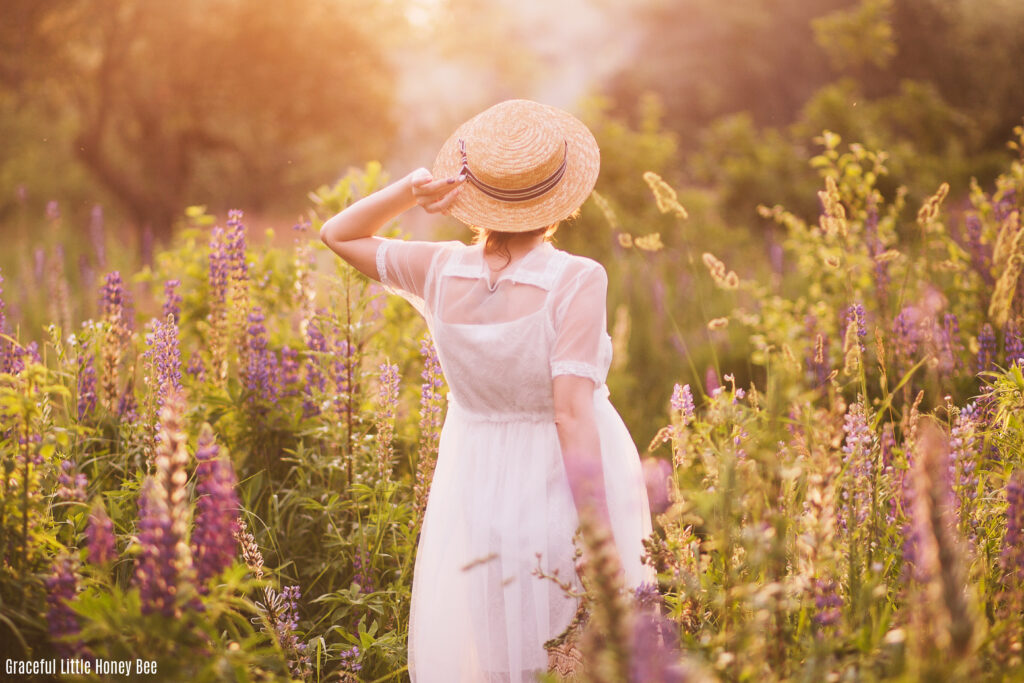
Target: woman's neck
518, 246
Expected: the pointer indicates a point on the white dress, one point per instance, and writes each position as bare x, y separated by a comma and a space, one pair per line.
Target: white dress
500, 494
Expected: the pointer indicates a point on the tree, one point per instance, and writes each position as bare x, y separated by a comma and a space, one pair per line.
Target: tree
220, 101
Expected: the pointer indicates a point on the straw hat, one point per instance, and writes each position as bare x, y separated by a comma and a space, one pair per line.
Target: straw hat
528, 165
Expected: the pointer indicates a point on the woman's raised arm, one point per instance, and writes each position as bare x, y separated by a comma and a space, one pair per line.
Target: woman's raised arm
350, 233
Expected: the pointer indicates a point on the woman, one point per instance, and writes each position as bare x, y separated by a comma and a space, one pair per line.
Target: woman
520, 331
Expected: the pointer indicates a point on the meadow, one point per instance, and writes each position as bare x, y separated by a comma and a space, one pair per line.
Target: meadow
220, 462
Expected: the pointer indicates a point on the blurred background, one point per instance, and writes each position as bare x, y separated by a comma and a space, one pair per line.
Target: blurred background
117, 115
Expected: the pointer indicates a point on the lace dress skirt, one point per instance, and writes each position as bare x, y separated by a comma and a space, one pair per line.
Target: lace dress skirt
499, 497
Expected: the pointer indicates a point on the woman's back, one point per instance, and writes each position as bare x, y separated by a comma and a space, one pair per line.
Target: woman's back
502, 336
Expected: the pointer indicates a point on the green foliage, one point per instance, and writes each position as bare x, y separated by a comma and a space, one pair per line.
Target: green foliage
809, 535
814, 533
857, 36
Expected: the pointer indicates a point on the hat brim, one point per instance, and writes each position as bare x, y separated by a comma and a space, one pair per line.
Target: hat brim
475, 208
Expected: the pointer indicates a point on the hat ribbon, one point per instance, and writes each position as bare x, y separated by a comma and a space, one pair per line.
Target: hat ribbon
518, 195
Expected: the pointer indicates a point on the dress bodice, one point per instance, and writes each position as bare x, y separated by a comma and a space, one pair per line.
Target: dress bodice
500, 340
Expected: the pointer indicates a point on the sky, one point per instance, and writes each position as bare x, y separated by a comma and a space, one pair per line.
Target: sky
567, 47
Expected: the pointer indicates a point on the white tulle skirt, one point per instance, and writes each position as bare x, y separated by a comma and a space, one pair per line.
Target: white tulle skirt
500, 496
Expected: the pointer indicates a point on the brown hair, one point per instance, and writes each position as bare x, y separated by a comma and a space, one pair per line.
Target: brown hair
497, 241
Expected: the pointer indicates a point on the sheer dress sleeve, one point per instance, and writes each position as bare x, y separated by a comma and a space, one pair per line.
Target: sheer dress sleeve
407, 267
581, 326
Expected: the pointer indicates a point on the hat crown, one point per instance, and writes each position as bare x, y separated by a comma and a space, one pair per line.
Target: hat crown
529, 165
513, 147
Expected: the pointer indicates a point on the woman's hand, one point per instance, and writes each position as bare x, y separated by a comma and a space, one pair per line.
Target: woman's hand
350, 233
435, 196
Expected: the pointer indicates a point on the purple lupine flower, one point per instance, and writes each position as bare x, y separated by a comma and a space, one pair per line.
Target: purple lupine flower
827, 602
216, 510
289, 372
430, 395
855, 314
96, 234
285, 622
236, 245
156, 572
163, 358
682, 403
52, 210
260, 370
71, 483
906, 333
987, 349
857, 448
647, 595
430, 422
711, 381
57, 286
164, 568
913, 564
196, 367
61, 588
951, 345
112, 307
1012, 558
963, 456
315, 380
218, 275
652, 656
1004, 206
386, 414
1013, 343
172, 300
128, 407
361, 569
349, 660
100, 535
112, 297
21, 355
218, 269
86, 385
981, 254
739, 436
657, 473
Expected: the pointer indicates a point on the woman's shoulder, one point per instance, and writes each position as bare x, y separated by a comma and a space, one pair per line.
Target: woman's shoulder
578, 265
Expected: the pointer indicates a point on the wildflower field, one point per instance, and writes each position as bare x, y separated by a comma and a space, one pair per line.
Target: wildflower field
220, 463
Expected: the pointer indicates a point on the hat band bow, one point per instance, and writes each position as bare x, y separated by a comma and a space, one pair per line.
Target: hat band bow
518, 195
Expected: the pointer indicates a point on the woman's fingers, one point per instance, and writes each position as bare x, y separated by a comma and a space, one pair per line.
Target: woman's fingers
420, 176
441, 205
432, 188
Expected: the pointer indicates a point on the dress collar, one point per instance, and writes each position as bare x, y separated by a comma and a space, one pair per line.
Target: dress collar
531, 269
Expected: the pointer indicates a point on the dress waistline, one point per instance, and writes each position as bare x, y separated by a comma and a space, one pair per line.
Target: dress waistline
600, 392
